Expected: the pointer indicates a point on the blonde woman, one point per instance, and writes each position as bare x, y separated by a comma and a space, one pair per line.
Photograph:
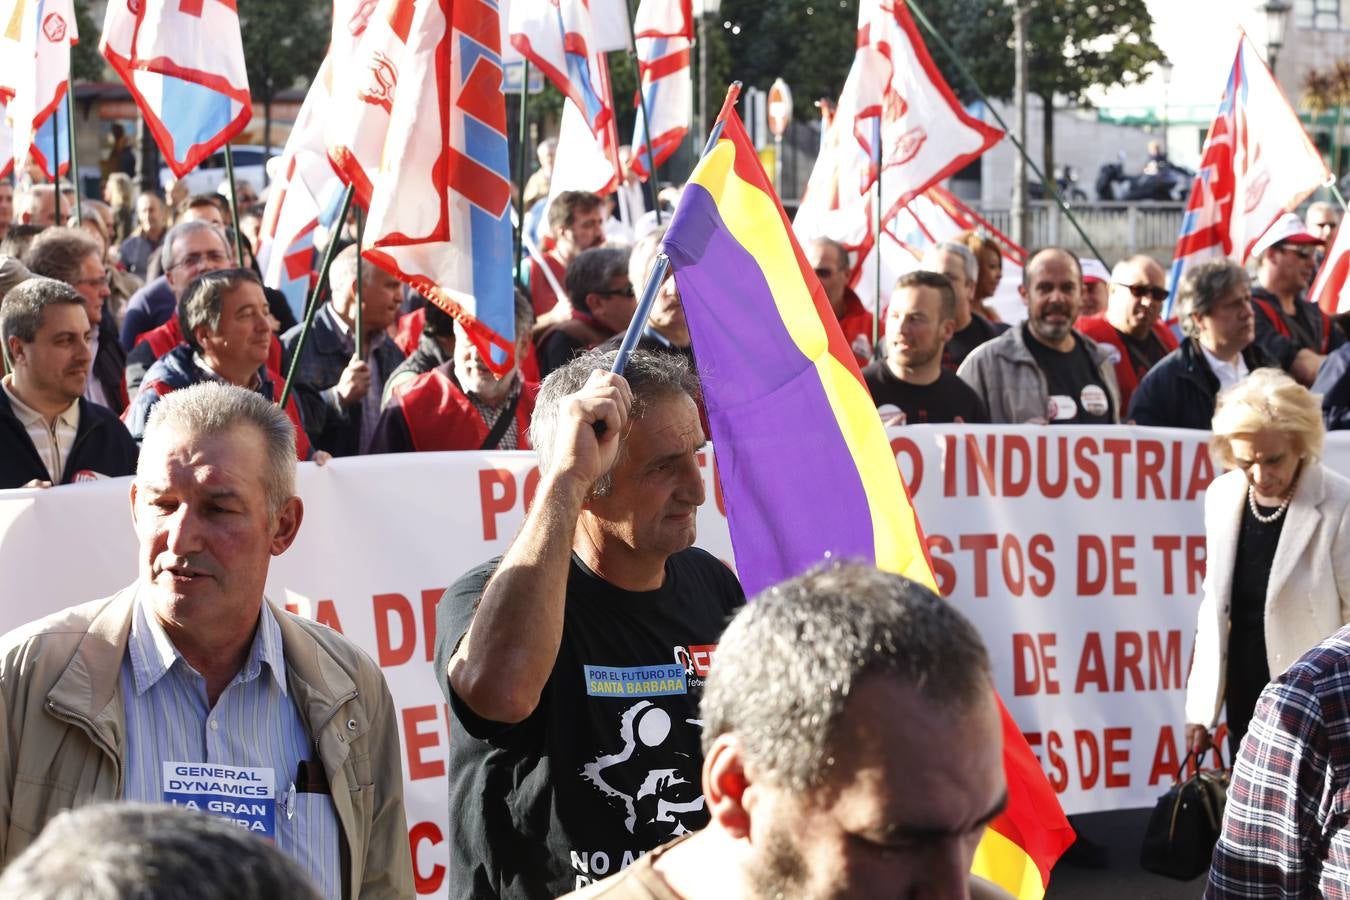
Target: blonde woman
1277, 537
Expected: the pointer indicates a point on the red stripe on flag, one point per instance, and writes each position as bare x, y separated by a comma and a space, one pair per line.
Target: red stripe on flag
480, 96
480, 185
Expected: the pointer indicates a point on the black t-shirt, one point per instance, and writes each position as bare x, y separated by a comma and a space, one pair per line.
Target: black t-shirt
608, 766
967, 339
1078, 395
1144, 354
942, 401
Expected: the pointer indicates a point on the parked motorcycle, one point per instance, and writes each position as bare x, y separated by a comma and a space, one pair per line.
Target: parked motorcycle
1066, 182
1161, 180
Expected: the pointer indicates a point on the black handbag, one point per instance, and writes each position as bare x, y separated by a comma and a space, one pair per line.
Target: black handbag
1184, 827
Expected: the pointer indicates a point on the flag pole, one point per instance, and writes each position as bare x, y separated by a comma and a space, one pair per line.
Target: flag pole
234, 207
359, 325
647, 125
312, 306
662, 265
74, 169
1051, 188
876, 254
522, 154
1336, 192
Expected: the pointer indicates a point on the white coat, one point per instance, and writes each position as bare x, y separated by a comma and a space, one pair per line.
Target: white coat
1307, 595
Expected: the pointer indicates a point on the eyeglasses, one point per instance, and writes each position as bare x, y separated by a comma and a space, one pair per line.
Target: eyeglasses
195, 260
1140, 291
103, 280
623, 292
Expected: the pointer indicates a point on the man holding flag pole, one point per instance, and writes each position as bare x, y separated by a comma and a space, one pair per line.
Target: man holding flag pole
772, 352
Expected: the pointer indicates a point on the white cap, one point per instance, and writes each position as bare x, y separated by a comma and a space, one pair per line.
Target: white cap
1094, 270
1287, 229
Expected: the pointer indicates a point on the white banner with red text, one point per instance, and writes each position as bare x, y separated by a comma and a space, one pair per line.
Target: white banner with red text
1078, 552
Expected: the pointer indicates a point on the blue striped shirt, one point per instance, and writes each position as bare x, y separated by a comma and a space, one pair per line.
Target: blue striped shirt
254, 723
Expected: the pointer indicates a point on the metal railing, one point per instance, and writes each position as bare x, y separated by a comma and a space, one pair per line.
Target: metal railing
1116, 229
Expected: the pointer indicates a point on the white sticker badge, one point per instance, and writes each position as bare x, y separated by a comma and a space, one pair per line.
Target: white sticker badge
242, 795
1062, 408
1094, 400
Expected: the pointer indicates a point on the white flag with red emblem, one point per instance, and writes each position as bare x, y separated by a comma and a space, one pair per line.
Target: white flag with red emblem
664, 33
1257, 163
34, 76
183, 62
419, 131
307, 192
895, 107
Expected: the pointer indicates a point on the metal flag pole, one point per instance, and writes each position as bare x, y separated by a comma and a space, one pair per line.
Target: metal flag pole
359, 324
662, 265
312, 306
522, 154
56, 163
1050, 186
74, 169
647, 124
234, 207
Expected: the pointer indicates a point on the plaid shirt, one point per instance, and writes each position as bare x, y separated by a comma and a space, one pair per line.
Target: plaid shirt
1284, 831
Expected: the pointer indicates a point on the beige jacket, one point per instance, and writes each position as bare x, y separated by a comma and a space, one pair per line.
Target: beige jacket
64, 739
1307, 596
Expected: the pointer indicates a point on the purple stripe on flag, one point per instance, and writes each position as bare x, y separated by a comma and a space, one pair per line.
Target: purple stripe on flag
792, 488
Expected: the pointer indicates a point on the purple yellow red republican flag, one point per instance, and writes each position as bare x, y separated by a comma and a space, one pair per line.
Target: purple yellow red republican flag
805, 466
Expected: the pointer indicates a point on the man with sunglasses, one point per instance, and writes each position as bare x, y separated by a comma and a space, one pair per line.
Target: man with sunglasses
1288, 327
602, 301
830, 261
1129, 325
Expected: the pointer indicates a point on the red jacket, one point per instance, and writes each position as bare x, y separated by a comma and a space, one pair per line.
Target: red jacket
856, 324
432, 413
1103, 332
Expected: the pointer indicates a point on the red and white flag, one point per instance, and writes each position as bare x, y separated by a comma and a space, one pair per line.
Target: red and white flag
1257, 163
585, 161
1331, 288
558, 37
420, 128
6, 145
307, 188
895, 107
664, 33
183, 61
34, 76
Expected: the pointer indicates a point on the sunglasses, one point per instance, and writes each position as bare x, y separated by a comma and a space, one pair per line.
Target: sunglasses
626, 292
1140, 291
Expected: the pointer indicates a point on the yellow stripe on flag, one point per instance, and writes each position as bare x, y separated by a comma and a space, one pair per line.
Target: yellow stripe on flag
753, 219
1000, 860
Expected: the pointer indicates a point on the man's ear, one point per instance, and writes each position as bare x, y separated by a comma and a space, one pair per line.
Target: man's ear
727, 787
286, 525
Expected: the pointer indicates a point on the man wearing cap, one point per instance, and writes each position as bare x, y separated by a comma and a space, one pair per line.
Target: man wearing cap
1096, 286
1129, 327
1288, 327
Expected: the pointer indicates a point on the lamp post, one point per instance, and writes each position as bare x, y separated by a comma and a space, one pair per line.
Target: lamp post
703, 10
1277, 12
1167, 107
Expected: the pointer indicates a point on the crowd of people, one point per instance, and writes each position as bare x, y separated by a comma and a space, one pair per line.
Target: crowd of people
139, 340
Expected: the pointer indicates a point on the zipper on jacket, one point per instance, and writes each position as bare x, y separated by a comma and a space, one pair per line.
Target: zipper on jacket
87, 727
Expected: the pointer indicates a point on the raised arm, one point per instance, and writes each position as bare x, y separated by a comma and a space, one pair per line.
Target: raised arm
504, 660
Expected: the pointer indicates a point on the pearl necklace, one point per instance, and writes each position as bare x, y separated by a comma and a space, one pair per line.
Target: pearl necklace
1266, 520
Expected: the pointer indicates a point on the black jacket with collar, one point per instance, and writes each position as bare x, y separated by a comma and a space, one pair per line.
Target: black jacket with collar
102, 445
1181, 390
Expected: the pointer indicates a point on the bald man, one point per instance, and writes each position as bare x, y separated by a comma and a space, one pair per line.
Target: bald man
1129, 328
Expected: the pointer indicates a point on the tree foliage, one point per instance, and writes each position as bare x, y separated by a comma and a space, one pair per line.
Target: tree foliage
807, 43
284, 43
86, 63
